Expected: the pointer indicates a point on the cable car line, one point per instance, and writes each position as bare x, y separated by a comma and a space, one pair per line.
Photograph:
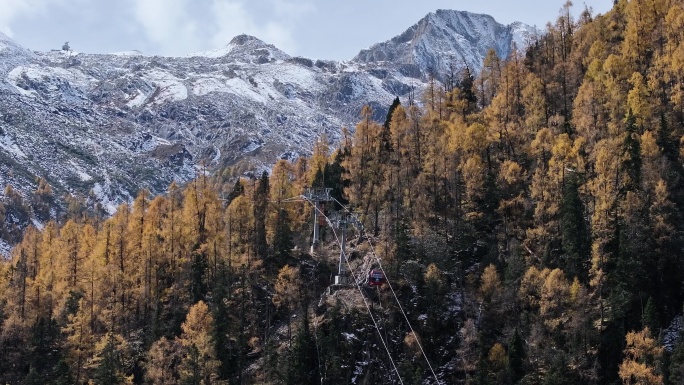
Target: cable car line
375, 256
375, 323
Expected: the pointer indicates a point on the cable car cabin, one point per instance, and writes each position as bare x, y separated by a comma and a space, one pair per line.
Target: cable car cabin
376, 278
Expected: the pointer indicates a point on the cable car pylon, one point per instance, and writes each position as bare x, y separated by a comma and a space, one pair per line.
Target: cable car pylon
381, 270
342, 222
317, 195
357, 282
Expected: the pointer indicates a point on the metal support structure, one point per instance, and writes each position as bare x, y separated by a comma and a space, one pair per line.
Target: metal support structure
317, 195
342, 222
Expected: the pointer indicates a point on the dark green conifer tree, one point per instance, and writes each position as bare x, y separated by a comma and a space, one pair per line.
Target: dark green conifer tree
574, 230
261, 196
631, 148
33, 378
559, 373
198, 268
238, 189
223, 322
385, 134
651, 317
62, 374
516, 357
319, 179
282, 239
110, 362
302, 360
466, 87
333, 177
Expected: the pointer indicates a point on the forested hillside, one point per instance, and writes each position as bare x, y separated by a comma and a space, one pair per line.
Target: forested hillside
529, 220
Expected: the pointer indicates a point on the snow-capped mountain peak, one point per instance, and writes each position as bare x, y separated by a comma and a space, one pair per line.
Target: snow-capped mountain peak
106, 126
246, 47
445, 38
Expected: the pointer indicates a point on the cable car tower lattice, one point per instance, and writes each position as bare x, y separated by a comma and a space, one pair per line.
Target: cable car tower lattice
317, 195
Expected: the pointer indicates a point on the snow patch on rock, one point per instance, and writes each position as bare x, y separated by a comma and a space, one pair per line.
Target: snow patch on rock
169, 87
5, 249
7, 144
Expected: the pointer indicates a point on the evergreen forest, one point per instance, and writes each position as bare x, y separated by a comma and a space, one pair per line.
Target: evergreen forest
529, 220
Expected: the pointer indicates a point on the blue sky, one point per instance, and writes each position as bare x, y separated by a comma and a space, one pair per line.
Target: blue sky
321, 29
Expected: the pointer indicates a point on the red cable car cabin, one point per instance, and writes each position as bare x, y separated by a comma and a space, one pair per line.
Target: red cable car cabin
376, 278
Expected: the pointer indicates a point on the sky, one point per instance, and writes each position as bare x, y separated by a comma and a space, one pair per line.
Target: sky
317, 29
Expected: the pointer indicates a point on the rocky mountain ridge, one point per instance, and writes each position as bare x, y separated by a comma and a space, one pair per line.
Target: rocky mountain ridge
107, 125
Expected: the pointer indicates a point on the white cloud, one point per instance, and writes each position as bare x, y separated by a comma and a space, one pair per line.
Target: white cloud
10, 10
167, 24
178, 27
233, 18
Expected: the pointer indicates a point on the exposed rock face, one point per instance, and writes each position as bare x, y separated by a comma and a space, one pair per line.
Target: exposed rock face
109, 125
447, 38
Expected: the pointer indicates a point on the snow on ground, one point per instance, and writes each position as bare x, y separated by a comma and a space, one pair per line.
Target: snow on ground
37, 224
12, 78
208, 85
214, 53
672, 334
5, 249
299, 75
523, 35
376, 90
239, 87
82, 175
138, 100
358, 370
216, 157
153, 143
103, 198
8, 145
348, 66
134, 52
252, 146
73, 76
171, 89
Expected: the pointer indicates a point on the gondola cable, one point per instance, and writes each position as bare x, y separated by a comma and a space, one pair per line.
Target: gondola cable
375, 323
375, 256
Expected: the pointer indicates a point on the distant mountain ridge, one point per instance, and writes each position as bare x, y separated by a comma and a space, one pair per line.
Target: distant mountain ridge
445, 38
107, 125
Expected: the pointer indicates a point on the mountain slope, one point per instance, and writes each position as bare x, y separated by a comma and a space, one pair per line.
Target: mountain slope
105, 126
446, 38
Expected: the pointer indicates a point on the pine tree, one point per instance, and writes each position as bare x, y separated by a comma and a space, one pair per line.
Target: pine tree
466, 94
109, 365
302, 365
651, 318
282, 239
80, 342
199, 364
574, 231
631, 148
261, 198
516, 356
238, 189
559, 373
386, 133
